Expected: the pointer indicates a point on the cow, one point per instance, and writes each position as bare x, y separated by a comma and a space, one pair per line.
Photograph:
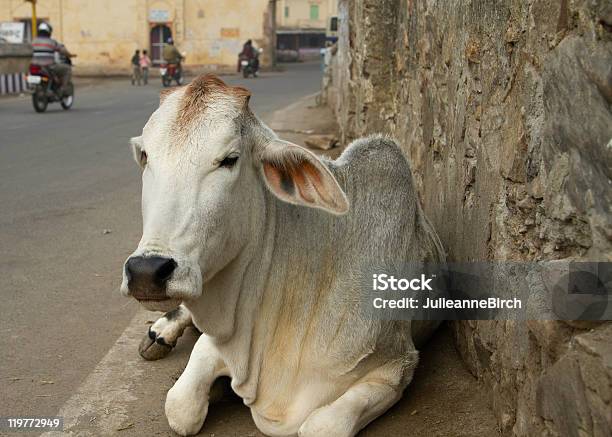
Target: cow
259, 244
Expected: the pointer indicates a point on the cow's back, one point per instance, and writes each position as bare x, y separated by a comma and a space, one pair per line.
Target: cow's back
386, 213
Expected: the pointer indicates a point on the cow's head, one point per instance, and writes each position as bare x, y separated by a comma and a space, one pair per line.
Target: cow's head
208, 164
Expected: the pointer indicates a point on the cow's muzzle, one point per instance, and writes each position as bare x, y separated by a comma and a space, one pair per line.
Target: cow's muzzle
147, 277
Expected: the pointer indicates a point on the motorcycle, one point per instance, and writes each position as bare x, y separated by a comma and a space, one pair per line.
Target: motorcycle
170, 72
250, 67
45, 87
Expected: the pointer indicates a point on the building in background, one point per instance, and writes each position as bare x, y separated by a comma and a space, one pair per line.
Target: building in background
105, 34
303, 27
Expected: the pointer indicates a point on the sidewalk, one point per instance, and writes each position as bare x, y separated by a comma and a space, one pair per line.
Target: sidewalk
304, 122
125, 395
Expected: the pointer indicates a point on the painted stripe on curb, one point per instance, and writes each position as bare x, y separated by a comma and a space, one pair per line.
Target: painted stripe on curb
108, 388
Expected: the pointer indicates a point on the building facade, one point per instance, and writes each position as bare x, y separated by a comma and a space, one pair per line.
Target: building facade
305, 14
105, 34
303, 27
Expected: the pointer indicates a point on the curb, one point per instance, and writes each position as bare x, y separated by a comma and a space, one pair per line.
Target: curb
289, 108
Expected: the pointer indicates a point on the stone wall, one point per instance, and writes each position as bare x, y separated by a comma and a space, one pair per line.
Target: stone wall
504, 109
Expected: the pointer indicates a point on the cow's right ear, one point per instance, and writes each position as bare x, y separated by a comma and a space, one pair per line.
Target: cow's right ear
140, 156
295, 175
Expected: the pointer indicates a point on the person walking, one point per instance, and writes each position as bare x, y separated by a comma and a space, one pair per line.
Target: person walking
136, 68
145, 63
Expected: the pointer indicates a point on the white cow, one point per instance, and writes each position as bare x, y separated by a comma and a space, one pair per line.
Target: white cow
264, 243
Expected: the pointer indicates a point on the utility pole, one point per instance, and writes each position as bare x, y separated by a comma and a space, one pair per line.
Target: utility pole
272, 9
34, 24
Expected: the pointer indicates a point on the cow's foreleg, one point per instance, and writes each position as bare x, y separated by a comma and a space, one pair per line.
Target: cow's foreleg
363, 402
164, 333
187, 401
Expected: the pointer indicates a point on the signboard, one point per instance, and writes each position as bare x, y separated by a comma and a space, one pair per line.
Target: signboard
159, 16
12, 31
230, 32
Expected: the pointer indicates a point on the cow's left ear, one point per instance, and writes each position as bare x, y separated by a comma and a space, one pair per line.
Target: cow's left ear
297, 176
140, 155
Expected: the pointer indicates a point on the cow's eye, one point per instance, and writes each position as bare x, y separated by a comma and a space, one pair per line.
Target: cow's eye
228, 161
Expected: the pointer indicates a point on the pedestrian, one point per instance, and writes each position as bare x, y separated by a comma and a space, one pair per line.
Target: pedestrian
136, 67
145, 63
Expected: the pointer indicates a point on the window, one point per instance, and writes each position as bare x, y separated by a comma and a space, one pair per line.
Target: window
314, 12
286, 11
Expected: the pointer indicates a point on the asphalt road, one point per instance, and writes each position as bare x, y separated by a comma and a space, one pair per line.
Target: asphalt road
69, 216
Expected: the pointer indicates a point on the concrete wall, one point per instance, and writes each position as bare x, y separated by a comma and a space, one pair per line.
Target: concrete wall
504, 109
14, 62
105, 34
15, 58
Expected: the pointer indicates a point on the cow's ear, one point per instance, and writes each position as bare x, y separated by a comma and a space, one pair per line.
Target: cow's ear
140, 155
297, 176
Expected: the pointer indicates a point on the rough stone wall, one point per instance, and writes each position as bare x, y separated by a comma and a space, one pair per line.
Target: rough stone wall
504, 109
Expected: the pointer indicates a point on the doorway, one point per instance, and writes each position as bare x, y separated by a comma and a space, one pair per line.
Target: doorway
159, 35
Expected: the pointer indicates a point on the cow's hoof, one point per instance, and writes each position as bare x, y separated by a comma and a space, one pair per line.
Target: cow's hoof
153, 347
185, 413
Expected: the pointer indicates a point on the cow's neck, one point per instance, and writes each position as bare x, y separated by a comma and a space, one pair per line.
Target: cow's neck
283, 299
231, 302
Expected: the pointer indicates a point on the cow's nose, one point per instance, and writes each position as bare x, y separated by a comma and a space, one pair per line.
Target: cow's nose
148, 276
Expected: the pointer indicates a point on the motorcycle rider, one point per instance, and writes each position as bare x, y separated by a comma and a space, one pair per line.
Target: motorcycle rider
250, 54
173, 56
49, 53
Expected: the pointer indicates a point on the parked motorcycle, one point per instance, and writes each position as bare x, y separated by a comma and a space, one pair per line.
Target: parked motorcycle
170, 72
45, 87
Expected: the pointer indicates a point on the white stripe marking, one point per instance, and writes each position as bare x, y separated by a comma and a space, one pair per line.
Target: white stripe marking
108, 389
